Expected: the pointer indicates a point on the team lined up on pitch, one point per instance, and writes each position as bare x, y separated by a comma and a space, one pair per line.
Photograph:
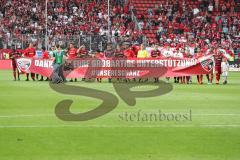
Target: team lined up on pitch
124, 58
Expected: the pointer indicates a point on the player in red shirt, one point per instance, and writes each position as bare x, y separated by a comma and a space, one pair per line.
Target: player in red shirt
14, 55
83, 52
45, 55
218, 60
72, 54
199, 77
129, 53
155, 53
186, 79
99, 55
30, 52
110, 53
136, 48
119, 52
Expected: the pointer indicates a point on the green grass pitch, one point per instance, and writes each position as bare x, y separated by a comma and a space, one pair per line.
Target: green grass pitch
29, 129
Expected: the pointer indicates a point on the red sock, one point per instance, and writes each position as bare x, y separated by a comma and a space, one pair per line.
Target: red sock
201, 79
33, 75
218, 77
14, 74
188, 78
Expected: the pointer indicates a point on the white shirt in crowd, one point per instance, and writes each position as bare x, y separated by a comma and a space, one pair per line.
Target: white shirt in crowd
102, 31
191, 50
178, 54
195, 11
100, 15
34, 9
75, 9
210, 8
167, 53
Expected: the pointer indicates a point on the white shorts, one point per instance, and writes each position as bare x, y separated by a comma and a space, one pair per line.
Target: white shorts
225, 74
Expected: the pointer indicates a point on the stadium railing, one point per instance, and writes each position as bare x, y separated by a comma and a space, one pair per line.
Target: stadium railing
92, 42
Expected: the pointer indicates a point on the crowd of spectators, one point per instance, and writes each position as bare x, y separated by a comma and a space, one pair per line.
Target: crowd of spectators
192, 22
66, 17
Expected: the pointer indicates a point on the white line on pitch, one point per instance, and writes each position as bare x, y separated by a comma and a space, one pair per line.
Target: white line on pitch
53, 115
119, 126
217, 114
27, 115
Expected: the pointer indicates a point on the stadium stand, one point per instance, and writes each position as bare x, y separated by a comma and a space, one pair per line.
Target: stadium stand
214, 20
171, 21
68, 18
